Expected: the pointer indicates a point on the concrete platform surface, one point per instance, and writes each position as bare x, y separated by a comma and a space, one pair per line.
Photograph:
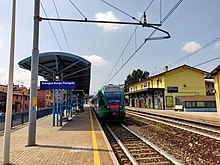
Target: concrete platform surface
78, 142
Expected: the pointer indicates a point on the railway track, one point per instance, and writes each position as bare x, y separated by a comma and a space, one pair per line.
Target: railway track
134, 149
204, 130
188, 142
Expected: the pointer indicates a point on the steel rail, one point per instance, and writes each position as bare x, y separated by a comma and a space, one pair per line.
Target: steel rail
128, 154
186, 129
165, 154
179, 122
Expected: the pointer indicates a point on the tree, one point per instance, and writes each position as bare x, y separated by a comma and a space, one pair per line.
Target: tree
137, 75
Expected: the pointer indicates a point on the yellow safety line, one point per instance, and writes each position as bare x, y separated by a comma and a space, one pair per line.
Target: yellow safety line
94, 143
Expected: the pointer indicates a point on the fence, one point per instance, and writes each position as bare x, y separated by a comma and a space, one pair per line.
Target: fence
22, 117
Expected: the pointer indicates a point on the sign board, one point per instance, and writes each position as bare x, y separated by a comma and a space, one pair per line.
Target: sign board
172, 89
34, 101
169, 101
45, 85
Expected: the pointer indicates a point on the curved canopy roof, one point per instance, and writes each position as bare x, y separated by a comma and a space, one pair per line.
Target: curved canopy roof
66, 65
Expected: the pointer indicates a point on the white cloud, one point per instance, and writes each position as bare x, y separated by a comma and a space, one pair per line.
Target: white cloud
217, 45
191, 46
97, 61
22, 77
108, 16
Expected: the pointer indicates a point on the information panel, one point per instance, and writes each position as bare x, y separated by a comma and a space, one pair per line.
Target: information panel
46, 85
172, 89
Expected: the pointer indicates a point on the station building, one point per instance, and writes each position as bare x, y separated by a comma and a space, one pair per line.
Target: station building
160, 91
216, 75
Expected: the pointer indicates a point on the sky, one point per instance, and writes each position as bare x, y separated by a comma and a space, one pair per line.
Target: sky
191, 26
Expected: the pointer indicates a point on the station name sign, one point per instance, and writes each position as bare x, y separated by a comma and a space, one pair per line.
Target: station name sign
172, 89
46, 85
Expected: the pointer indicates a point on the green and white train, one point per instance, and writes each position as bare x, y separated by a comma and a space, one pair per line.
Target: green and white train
109, 103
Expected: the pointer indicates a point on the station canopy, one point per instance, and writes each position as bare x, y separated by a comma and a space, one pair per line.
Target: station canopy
67, 66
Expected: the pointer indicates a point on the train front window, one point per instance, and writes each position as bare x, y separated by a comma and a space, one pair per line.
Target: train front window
113, 98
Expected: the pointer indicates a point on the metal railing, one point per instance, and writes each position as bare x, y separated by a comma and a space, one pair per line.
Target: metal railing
23, 117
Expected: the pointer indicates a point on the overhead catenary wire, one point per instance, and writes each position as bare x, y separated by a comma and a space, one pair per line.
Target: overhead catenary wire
61, 26
122, 53
171, 11
51, 26
145, 41
134, 33
78, 9
121, 11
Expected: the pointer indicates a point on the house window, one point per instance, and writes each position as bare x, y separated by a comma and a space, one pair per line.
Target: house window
211, 104
148, 84
200, 104
141, 86
190, 104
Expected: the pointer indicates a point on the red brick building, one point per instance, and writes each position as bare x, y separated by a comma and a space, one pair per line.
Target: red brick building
20, 101
44, 98
21, 98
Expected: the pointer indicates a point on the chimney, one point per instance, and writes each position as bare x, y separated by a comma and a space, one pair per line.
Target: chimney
166, 69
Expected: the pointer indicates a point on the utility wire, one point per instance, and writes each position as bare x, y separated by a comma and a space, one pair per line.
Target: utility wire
61, 25
122, 53
193, 53
78, 9
207, 61
171, 11
120, 10
127, 61
127, 43
196, 51
51, 26
160, 10
165, 18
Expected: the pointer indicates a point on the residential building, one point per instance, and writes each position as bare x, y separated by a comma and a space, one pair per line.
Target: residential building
159, 91
44, 98
215, 74
209, 85
20, 100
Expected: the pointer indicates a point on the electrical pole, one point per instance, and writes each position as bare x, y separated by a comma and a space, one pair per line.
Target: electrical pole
7, 133
34, 77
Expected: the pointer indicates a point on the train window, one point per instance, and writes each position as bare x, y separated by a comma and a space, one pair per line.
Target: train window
113, 98
101, 101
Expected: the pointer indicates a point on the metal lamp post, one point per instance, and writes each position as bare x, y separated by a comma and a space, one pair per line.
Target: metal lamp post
7, 133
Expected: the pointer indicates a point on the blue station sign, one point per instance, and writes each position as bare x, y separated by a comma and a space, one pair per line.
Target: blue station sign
46, 85
172, 89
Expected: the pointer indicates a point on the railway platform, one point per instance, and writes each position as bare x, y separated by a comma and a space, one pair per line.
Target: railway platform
80, 141
212, 118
